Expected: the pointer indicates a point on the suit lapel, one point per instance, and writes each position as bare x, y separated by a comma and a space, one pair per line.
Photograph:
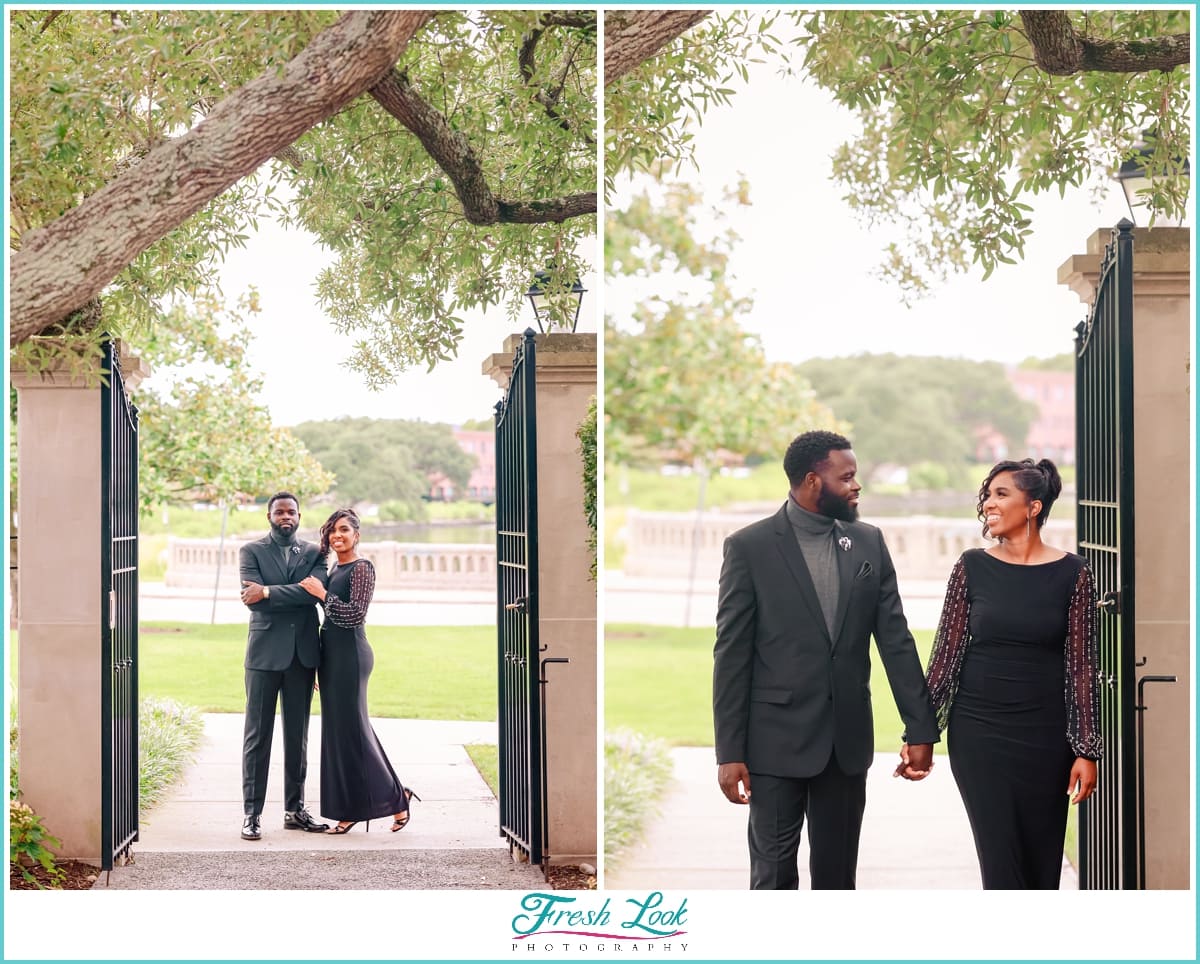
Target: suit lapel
845, 567
785, 539
294, 558
271, 552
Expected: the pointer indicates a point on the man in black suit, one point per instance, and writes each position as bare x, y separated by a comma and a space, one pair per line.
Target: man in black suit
282, 653
801, 593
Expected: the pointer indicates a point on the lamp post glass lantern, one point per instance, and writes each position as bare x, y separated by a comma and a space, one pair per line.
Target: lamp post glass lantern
554, 308
1139, 187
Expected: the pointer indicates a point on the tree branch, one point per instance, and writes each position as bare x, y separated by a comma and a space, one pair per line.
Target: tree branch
62, 265
631, 37
1061, 50
451, 152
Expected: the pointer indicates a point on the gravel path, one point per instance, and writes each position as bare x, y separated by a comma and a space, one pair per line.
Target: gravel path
491, 869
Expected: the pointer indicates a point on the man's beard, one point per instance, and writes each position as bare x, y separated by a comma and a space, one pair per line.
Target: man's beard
284, 534
836, 507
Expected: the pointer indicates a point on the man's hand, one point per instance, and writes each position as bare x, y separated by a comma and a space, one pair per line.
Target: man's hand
252, 592
728, 776
916, 760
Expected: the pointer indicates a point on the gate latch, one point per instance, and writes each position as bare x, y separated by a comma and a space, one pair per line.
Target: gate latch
1110, 603
517, 605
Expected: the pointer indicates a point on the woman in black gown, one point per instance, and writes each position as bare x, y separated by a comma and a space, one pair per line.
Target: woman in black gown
357, 781
1013, 679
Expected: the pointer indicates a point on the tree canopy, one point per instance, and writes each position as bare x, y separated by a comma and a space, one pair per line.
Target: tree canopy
908, 409
386, 460
684, 381
964, 114
202, 433
443, 156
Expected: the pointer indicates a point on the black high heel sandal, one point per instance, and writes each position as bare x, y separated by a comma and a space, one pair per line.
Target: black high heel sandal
409, 797
342, 827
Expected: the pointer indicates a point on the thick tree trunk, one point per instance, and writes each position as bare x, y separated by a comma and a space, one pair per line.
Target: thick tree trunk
632, 37
1059, 49
70, 260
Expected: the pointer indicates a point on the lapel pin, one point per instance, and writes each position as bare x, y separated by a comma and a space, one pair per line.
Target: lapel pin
845, 543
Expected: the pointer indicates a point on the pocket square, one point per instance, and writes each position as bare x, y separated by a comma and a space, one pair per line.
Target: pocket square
864, 571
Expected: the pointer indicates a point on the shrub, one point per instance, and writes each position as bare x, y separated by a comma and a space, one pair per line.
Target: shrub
27, 844
637, 769
398, 510
168, 734
12, 753
586, 433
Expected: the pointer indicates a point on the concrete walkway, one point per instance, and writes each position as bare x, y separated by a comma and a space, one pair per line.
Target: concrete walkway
192, 839
915, 835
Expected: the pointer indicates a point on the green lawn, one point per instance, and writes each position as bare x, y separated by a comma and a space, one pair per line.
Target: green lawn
421, 672
658, 681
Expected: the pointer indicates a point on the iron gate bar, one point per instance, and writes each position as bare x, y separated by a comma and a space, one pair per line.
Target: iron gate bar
522, 762
119, 614
1108, 820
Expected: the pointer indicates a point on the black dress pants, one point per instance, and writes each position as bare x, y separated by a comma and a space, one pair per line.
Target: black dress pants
832, 801
293, 689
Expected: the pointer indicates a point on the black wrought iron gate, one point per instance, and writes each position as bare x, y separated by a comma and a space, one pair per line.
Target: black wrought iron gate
119, 619
522, 762
1104, 522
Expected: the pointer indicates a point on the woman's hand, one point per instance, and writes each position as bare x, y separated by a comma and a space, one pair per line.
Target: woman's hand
1082, 780
314, 586
914, 766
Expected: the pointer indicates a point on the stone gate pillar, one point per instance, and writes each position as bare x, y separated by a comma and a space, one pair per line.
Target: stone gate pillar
59, 609
1163, 580
566, 382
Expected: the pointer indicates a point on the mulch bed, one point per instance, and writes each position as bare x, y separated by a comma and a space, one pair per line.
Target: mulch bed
569, 877
79, 876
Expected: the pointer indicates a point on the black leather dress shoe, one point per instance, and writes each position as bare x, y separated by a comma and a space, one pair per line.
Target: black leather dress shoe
252, 827
302, 820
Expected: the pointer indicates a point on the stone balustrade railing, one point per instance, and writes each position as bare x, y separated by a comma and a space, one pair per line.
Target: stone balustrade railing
658, 544
398, 565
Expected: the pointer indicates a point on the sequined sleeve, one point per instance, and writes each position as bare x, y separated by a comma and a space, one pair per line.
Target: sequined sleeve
949, 645
353, 612
1081, 659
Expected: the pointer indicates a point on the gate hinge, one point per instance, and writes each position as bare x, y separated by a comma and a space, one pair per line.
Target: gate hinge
112, 609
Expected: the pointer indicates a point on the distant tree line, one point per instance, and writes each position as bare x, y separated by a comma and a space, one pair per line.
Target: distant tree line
385, 460
908, 409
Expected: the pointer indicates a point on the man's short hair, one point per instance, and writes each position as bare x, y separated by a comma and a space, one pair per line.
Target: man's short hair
281, 495
809, 450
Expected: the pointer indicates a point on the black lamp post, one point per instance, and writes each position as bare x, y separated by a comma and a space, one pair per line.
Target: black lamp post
1136, 184
555, 307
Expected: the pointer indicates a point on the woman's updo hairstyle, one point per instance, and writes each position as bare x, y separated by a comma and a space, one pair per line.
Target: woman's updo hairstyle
327, 528
1038, 480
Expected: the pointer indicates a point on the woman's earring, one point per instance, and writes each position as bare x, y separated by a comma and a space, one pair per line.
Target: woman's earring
1028, 520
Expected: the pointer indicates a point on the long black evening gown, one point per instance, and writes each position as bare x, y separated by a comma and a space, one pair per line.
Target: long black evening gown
357, 781
1013, 679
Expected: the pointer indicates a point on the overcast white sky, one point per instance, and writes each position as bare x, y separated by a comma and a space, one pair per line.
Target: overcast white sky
294, 343
808, 264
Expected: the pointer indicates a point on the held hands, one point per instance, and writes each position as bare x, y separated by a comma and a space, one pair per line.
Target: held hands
916, 760
1082, 780
252, 592
729, 775
313, 586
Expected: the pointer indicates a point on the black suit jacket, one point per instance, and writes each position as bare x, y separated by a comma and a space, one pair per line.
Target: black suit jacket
785, 692
286, 623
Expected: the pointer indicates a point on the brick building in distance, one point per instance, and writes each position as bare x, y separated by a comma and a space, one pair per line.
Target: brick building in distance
1052, 432
481, 487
